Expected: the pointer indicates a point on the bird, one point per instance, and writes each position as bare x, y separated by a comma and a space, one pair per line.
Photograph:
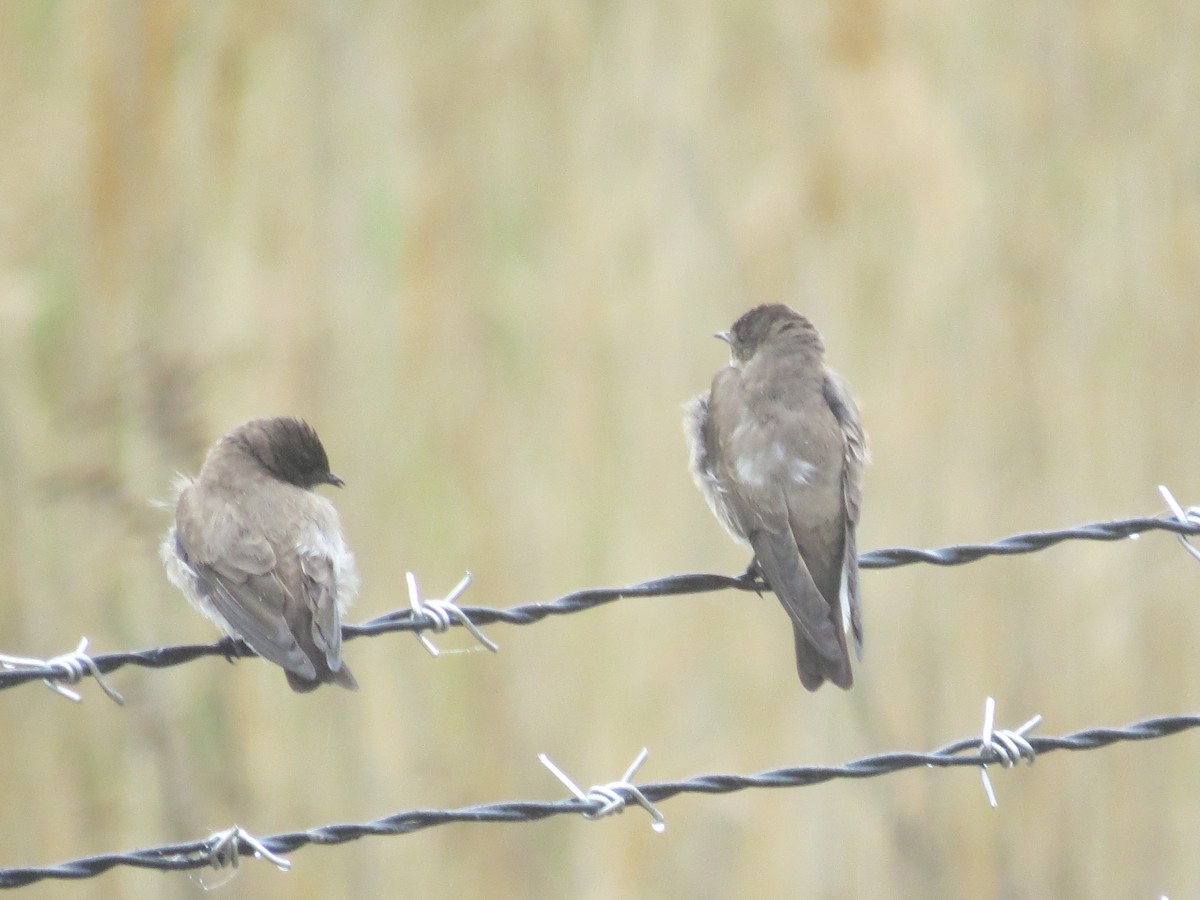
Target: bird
778, 449
255, 549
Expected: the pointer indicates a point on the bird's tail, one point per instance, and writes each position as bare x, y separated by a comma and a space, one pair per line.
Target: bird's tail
814, 669
341, 676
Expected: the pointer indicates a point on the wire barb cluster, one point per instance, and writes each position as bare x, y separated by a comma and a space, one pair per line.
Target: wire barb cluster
607, 799
1190, 517
1005, 747
68, 667
432, 615
966, 752
224, 849
440, 614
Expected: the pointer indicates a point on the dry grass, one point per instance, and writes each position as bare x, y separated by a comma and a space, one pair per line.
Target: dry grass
481, 248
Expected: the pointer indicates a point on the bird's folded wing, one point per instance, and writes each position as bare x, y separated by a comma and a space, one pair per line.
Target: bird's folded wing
319, 582
854, 456
786, 573
255, 603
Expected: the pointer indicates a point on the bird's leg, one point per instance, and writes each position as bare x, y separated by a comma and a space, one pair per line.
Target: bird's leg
229, 647
754, 575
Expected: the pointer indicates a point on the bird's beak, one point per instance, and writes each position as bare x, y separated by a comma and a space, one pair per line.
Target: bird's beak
335, 481
724, 336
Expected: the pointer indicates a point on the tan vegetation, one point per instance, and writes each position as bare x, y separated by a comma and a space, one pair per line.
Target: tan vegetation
482, 247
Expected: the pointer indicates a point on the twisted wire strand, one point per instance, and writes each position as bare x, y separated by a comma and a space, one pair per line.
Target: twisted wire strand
199, 854
667, 586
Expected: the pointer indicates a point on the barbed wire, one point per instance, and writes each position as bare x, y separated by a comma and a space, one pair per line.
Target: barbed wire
1000, 747
994, 747
429, 617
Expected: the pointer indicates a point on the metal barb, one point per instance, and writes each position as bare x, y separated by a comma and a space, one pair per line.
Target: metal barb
1191, 516
1007, 746
608, 798
439, 612
71, 667
223, 849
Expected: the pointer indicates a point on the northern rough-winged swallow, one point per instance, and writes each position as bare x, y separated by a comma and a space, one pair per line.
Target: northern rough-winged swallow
255, 550
777, 448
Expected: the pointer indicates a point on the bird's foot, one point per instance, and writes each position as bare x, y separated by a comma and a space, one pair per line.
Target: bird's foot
230, 648
753, 576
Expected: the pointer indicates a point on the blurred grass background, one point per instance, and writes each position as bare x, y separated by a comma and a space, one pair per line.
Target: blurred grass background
481, 247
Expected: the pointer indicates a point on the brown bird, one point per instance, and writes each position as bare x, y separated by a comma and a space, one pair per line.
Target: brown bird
777, 449
255, 550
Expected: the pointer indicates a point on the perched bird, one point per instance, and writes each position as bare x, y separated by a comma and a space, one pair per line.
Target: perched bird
255, 550
777, 449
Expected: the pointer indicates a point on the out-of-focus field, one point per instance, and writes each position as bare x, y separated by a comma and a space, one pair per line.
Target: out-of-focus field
482, 248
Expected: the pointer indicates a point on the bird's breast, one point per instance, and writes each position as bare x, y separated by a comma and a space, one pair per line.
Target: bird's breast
761, 462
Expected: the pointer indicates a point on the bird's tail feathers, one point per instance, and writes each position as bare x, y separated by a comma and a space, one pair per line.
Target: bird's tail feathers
814, 669
342, 677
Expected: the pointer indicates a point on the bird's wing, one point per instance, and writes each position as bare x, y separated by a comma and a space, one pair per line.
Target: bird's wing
786, 572
854, 440
244, 587
320, 585
704, 442
854, 456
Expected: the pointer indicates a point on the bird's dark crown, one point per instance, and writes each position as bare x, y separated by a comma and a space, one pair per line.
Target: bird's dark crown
772, 323
288, 448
